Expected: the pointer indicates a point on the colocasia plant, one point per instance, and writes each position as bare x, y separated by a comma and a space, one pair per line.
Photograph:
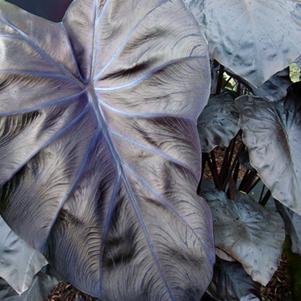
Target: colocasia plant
104, 115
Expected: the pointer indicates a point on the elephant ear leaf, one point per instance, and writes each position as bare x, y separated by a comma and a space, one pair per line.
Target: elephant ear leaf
248, 232
254, 39
19, 263
231, 283
99, 150
272, 133
218, 123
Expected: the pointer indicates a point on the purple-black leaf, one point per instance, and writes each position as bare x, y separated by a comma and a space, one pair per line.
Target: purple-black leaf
99, 150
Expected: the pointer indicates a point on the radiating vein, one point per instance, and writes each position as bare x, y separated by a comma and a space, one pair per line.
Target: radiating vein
132, 198
164, 202
76, 180
42, 52
34, 73
152, 150
55, 137
125, 41
148, 239
59, 101
107, 222
147, 75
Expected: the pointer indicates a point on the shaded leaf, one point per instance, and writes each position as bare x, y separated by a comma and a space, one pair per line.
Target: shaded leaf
293, 227
276, 87
215, 67
248, 232
272, 133
218, 123
223, 255
19, 263
230, 283
99, 154
50, 9
38, 291
254, 39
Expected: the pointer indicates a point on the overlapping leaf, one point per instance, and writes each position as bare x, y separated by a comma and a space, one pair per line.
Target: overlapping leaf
293, 227
248, 232
218, 123
231, 283
272, 133
276, 87
50, 9
254, 39
19, 263
38, 291
99, 150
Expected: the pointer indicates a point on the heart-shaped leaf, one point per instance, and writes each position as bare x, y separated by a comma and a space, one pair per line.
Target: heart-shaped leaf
272, 133
253, 38
218, 123
99, 150
248, 232
231, 283
19, 263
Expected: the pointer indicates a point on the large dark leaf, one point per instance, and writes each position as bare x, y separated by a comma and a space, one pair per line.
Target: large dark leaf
272, 133
248, 232
254, 39
231, 283
99, 150
218, 123
19, 263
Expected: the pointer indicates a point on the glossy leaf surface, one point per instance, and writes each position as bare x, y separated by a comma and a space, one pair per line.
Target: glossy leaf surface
99, 150
254, 39
272, 133
248, 232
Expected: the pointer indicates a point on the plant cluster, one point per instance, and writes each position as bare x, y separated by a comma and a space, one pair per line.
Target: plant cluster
119, 176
